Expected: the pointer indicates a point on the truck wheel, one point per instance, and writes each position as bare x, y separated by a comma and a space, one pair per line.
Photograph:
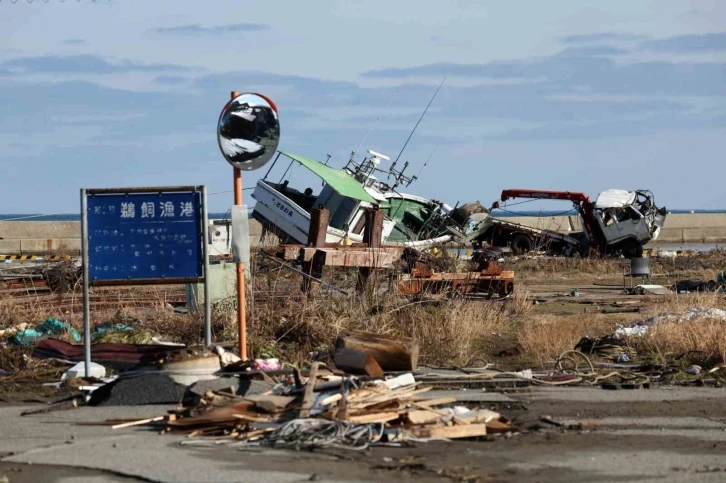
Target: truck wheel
521, 243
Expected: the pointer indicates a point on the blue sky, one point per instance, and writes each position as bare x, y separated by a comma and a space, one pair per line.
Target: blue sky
573, 94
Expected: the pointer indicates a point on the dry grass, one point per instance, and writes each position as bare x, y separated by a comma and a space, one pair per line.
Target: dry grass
544, 337
702, 339
679, 302
702, 266
451, 332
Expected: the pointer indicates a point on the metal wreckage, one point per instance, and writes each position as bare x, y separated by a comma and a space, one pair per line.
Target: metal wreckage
618, 222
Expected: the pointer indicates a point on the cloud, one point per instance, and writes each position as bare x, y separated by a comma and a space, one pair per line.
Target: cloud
592, 51
198, 29
81, 64
74, 42
601, 36
170, 80
83, 122
595, 73
713, 42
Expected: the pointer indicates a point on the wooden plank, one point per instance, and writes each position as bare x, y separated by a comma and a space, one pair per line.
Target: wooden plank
436, 402
370, 258
391, 353
480, 416
498, 427
271, 403
424, 416
251, 418
308, 397
374, 418
138, 422
357, 362
453, 432
216, 416
331, 399
393, 395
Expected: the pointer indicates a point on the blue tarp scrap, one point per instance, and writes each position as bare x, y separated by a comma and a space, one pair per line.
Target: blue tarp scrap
51, 326
28, 337
104, 327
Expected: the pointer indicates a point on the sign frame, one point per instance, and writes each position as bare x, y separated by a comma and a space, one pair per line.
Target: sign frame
203, 222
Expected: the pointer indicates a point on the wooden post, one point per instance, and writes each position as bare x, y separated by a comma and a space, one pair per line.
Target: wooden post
371, 236
319, 219
241, 303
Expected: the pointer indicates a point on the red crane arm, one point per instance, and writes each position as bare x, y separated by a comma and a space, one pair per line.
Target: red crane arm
548, 195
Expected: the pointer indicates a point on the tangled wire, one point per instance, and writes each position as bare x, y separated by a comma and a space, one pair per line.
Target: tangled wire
319, 433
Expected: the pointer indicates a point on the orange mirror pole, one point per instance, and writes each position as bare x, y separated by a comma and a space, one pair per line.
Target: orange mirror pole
241, 307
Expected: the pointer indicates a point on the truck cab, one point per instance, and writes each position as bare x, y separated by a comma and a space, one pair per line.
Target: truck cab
628, 220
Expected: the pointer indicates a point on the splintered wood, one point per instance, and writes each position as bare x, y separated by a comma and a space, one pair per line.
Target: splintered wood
398, 407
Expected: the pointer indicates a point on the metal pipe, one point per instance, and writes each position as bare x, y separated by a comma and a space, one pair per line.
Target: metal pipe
86, 300
272, 165
241, 320
207, 289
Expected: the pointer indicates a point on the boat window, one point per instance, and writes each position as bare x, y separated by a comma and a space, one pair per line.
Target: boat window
343, 212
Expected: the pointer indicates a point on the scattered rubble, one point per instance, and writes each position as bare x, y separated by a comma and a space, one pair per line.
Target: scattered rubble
334, 410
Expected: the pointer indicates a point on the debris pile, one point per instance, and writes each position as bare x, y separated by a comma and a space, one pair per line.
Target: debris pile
334, 410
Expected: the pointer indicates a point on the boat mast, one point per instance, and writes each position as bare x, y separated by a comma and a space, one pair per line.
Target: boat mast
355, 151
417, 123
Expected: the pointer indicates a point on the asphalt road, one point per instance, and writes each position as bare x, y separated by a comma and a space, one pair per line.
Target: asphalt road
660, 434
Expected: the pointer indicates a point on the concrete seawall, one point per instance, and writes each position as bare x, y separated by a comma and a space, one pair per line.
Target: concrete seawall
64, 237
679, 228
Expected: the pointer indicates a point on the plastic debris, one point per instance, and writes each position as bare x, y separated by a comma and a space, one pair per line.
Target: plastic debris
104, 327
271, 364
28, 337
79, 370
693, 370
226, 358
693, 313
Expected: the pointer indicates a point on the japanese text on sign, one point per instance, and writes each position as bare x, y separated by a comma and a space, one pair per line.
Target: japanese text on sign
144, 236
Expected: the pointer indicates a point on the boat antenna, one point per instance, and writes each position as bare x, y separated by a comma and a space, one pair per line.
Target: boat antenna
414, 178
375, 122
419, 121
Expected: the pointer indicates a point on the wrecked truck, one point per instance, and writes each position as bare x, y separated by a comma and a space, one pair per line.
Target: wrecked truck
619, 222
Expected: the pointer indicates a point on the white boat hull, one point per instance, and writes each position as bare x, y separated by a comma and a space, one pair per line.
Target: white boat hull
290, 218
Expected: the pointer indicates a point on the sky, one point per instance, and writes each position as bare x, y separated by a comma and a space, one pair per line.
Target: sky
578, 95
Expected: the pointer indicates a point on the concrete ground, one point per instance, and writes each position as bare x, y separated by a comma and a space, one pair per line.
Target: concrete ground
669, 434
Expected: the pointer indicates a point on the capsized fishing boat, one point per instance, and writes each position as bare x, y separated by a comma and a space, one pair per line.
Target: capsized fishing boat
409, 220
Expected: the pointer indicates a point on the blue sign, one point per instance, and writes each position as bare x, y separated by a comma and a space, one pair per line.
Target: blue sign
144, 236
